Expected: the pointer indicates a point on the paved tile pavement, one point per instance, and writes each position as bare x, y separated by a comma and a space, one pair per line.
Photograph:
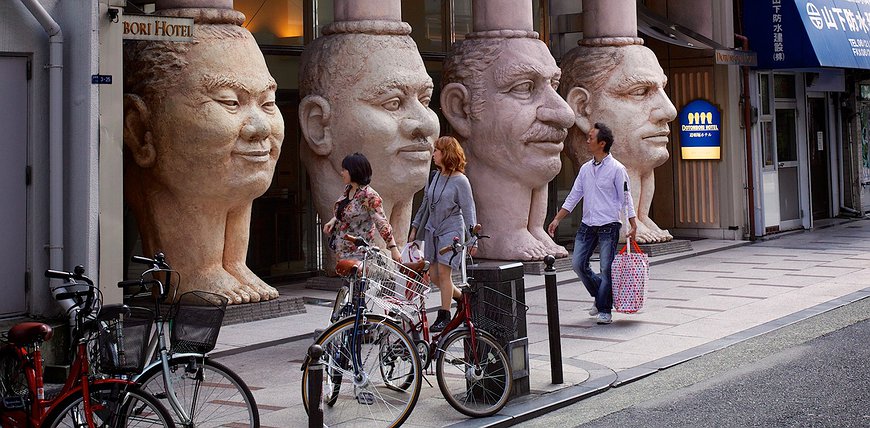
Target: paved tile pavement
721, 293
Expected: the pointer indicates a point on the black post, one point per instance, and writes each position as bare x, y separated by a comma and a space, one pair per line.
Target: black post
553, 319
315, 387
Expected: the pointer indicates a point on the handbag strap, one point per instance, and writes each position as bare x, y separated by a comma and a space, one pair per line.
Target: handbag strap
628, 248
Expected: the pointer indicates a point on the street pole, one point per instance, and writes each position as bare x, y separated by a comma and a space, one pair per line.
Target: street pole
315, 387
553, 319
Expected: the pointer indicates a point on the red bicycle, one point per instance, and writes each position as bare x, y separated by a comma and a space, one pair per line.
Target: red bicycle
472, 368
86, 399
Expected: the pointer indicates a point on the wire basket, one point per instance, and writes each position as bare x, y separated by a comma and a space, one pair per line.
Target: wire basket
497, 314
196, 321
122, 339
393, 286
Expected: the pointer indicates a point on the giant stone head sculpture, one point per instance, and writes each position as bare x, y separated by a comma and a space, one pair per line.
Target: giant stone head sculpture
365, 88
621, 83
202, 135
500, 98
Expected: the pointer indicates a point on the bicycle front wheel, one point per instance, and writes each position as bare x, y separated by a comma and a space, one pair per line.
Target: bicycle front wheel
476, 381
114, 405
384, 389
211, 394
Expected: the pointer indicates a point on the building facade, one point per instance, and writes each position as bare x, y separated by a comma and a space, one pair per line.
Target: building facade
804, 159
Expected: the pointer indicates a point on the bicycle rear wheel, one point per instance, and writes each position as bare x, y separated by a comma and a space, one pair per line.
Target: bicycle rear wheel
477, 382
113, 405
212, 395
373, 397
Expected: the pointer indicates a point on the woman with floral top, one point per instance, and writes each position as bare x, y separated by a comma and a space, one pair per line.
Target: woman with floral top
358, 211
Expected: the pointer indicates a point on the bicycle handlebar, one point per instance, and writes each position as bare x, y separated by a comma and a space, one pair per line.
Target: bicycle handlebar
456, 247
78, 273
159, 261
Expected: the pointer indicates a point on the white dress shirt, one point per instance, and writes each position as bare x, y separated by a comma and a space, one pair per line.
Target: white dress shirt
605, 191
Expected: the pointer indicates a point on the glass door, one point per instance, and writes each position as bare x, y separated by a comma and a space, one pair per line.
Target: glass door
787, 168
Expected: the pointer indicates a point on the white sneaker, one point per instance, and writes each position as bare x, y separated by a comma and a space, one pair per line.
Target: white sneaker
593, 311
605, 318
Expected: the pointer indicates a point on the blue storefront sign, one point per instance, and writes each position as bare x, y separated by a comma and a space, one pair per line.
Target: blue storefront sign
809, 33
700, 137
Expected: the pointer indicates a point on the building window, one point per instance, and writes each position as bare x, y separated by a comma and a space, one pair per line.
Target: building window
273, 22
784, 86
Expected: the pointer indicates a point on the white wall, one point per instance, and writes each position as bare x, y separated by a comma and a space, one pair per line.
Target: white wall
21, 34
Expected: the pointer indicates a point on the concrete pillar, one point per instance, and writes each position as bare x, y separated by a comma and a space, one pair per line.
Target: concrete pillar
502, 15
368, 10
184, 4
609, 18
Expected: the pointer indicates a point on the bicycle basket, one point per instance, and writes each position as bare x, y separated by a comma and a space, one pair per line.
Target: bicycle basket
122, 339
196, 321
498, 314
393, 286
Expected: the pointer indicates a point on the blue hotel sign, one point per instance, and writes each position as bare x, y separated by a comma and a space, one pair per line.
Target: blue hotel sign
809, 33
700, 135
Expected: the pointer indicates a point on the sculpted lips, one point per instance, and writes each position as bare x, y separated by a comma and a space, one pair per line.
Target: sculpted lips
546, 138
658, 138
253, 155
417, 151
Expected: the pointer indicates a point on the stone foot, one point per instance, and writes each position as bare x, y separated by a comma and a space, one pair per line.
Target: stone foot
516, 245
553, 248
218, 281
260, 291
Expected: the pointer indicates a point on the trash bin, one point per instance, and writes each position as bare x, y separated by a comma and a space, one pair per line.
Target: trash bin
499, 308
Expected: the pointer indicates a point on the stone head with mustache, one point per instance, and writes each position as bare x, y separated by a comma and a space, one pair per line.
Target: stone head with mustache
500, 98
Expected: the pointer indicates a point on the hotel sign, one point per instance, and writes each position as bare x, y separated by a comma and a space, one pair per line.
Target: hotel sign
161, 28
734, 57
700, 135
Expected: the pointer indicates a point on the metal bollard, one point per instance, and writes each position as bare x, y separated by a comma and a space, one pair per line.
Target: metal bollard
315, 387
553, 319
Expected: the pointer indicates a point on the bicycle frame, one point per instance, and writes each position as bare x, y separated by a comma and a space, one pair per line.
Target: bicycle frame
77, 380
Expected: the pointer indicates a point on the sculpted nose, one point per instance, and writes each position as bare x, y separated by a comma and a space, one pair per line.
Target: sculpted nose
664, 110
256, 128
556, 112
422, 123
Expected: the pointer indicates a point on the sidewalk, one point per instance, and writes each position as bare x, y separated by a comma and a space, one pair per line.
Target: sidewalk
722, 293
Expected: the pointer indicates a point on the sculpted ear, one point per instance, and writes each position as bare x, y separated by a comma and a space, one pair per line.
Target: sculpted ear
455, 104
578, 99
314, 115
137, 131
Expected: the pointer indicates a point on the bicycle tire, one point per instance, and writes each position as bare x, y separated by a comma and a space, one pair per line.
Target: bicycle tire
471, 389
113, 405
13, 381
369, 401
229, 400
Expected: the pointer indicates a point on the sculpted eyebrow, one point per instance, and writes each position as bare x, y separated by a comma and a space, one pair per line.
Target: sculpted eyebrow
406, 87
211, 83
512, 73
639, 79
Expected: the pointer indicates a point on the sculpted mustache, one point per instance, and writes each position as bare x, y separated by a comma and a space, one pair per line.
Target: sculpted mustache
541, 132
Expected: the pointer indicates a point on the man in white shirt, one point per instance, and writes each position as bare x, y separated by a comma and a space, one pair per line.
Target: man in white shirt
603, 185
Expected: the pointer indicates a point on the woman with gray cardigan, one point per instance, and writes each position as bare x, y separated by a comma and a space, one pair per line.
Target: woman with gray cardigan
448, 212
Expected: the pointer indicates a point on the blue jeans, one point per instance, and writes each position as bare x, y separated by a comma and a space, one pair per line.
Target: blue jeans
599, 285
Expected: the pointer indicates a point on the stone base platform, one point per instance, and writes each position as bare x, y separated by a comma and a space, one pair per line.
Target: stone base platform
661, 248
247, 312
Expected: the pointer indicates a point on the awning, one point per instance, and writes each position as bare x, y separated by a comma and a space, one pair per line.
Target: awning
809, 33
660, 28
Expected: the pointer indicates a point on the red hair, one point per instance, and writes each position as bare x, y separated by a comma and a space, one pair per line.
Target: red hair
452, 155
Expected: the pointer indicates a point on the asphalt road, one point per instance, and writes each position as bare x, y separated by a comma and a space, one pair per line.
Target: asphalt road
813, 373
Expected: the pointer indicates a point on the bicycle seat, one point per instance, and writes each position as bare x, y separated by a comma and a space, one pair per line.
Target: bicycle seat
346, 267
29, 332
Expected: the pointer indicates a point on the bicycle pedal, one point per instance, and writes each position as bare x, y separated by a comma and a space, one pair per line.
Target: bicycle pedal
15, 402
366, 398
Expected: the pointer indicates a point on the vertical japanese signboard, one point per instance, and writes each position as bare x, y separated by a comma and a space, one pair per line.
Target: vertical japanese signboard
809, 33
700, 135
